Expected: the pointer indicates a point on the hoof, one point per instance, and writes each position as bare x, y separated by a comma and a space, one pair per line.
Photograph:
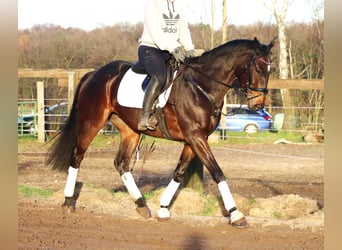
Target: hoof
68, 209
163, 219
69, 205
144, 212
237, 219
142, 208
163, 214
240, 223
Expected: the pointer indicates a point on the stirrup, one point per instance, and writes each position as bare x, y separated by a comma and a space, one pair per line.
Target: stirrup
149, 123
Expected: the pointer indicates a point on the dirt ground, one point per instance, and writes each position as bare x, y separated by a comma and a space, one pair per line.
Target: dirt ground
254, 172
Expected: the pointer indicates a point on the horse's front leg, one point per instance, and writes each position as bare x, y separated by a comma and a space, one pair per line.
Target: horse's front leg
201, 148
165, 200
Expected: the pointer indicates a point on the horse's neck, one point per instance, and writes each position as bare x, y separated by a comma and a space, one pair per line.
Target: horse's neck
215, 79
220, 70
210, 83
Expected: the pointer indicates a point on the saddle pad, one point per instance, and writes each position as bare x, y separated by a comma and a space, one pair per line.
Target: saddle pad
130, 93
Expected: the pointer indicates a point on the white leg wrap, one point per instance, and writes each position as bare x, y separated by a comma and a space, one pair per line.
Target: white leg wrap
168, 193
71, 182
165, 200
236, 215
131, 186
163, 213
227, 197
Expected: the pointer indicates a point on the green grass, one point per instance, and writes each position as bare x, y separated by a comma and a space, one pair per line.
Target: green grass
251, 202
105, 141
27, 139
149, 195
108, 141
276, 215
27, 191
259, 138
111, 141
211, 205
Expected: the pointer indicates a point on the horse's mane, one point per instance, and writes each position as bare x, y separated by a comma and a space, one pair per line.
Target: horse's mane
230, 47
233, 45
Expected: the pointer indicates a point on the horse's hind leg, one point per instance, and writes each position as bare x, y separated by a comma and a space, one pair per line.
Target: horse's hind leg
128, 144
84, 137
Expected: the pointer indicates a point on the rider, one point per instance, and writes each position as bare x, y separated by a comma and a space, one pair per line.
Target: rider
165, 33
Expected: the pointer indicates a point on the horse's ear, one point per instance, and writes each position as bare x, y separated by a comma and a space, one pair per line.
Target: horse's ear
256, 41
270, 46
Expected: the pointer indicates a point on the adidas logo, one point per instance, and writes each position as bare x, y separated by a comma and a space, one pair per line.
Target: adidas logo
170, 20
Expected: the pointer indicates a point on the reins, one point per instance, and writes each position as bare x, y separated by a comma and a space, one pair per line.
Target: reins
217, 110
210, 78
248, 83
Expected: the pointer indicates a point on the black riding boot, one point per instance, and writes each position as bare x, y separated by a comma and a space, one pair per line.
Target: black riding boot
147, 119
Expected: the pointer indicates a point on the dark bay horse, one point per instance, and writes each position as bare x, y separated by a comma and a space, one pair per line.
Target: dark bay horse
191, 114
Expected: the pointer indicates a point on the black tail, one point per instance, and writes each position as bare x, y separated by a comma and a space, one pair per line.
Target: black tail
64, 143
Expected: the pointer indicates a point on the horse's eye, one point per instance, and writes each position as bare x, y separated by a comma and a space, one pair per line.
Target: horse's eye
258, 69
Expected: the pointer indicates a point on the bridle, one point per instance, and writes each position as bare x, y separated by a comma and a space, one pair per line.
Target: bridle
248, 84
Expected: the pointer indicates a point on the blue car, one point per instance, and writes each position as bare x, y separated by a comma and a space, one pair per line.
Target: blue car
54, 116
243, 119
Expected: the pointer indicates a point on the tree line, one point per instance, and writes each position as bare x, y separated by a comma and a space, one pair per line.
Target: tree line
51, 46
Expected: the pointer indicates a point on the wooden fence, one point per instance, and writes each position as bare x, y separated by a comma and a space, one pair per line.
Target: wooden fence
65, 77
70, 79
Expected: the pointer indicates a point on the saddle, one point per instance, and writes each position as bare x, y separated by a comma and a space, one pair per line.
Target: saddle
171, 67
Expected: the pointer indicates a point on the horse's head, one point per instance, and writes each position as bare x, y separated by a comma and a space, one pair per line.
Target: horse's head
253, 77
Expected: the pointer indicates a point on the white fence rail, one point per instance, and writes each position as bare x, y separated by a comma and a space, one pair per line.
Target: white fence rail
55, 114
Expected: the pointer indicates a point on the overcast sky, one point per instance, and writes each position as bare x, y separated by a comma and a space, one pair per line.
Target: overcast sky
90, 14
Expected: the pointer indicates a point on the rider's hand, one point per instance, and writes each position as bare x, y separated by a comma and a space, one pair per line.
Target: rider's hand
191, 53
178, 54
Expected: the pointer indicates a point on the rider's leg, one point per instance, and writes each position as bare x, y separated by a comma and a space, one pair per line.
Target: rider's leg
154, 62
147, 120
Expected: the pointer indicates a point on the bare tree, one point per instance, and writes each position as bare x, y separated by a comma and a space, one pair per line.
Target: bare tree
223, 40
212, 30
279, 10
224, 21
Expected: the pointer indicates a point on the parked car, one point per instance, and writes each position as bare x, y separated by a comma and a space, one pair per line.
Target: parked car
27, 124
54, 116
249, 121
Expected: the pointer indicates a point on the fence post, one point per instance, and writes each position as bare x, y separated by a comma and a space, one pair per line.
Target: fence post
223, 120
41, 113
71, 88
193, 177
